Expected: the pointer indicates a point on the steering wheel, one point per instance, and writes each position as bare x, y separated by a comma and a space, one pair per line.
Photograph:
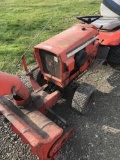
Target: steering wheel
88, 19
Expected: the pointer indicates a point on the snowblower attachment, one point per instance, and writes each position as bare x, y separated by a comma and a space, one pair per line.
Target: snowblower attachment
28, 119
60, 60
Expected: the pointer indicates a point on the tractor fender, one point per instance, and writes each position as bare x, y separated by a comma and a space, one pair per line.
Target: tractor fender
109, 38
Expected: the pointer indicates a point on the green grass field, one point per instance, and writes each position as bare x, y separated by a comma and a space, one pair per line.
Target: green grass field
22, 21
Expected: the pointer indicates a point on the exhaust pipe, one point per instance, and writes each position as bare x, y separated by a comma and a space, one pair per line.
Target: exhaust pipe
11, 84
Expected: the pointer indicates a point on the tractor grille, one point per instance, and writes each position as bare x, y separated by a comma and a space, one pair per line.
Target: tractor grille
50, 63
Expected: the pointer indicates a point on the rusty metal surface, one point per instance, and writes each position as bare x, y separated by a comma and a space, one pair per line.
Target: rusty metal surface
64, 42
36, 120
33, 127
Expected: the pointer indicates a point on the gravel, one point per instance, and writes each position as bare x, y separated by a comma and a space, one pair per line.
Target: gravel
11, 146
96, 135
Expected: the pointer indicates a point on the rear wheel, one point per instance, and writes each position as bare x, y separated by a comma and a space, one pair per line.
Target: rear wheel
113, 58
83, 98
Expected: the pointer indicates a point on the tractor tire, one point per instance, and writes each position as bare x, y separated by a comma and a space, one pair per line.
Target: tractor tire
83, 97
113, 58
39, 77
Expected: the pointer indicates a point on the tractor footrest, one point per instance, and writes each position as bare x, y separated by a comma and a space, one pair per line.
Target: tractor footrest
33, 127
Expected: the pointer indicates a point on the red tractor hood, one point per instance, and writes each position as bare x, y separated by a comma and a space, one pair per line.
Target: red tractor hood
73, 37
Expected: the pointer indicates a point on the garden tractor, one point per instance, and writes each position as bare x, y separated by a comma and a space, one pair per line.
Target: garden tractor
59, 61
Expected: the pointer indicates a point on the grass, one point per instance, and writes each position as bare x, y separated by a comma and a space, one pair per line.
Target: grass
22, 21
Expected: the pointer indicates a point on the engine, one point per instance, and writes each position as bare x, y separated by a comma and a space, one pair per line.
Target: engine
63, 57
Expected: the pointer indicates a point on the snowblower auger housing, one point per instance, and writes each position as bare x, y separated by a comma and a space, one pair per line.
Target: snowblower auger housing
26, 112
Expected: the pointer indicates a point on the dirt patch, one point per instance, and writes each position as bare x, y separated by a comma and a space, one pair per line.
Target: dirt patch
97, 134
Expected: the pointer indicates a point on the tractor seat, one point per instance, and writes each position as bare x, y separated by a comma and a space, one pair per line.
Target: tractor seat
107, 23
110, 12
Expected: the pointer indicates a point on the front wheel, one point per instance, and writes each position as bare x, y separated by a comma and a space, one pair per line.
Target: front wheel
83, 98
39, 77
